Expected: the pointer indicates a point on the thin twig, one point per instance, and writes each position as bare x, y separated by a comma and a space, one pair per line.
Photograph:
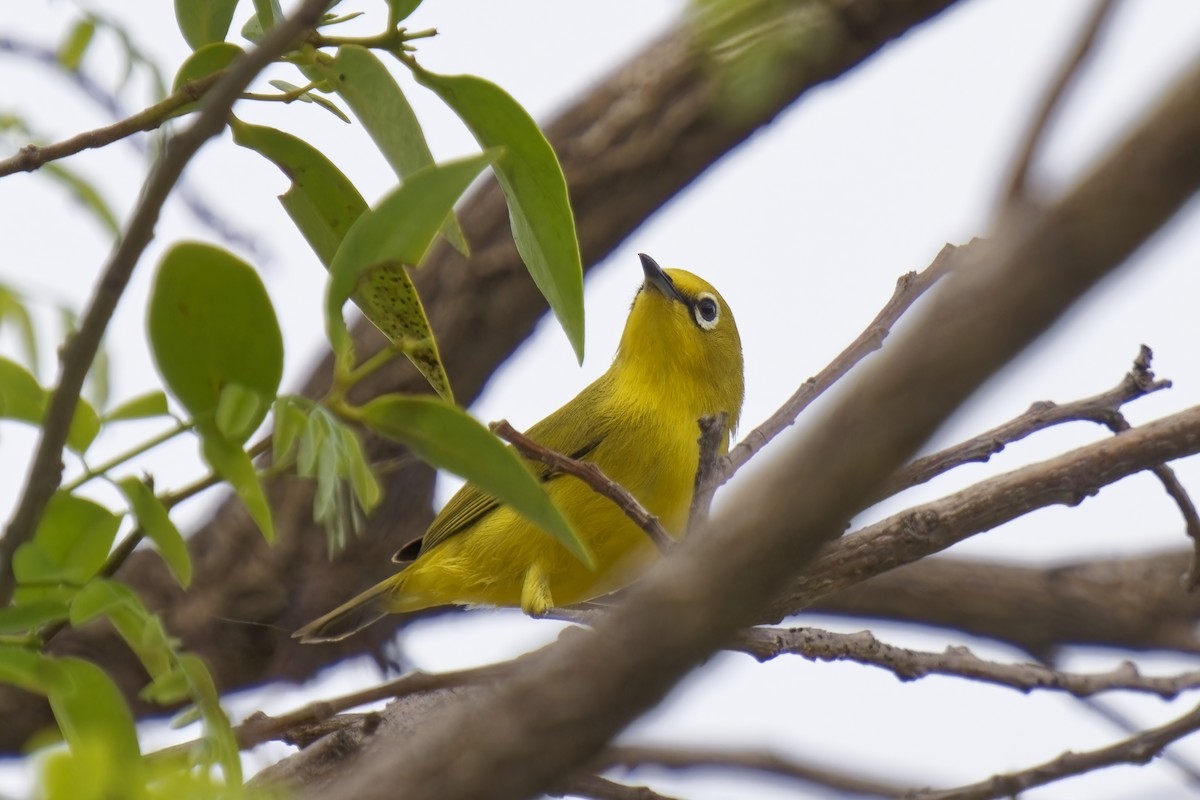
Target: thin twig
1103, 409
765, 644
298, 726
712, 430
32, 156
1138, 749
1117, 423
909, 287
599, 788
592, 475
1017, 186
1129, 727
631, 757
45, 472
192, 199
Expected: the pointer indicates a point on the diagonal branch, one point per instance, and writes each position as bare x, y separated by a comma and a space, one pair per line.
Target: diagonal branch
593, 476
1103, 408
1016, 187
45, 472
32, 156
1137, 749
681, 758
909, 287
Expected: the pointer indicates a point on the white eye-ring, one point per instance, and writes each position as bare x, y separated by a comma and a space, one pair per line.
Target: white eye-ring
707, 311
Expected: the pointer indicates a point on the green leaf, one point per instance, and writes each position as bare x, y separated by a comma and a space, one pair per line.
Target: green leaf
389, 300
533, 183
354, 465
398, 232
85, 426
23, 667
362, 80
70, 544
168, 689
204, 21
239, 410
207, 60
144, 406
321, 200
12, 308
211, 325
86, 193
218, 732
399, 10
267, 12
290, 414
91, 711
233, 464
156, 523
26, 617
21, 396
449, 438
167, 666
329, 106
70, 52
324, 205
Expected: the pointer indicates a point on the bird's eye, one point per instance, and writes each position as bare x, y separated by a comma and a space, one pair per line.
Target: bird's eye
707, 312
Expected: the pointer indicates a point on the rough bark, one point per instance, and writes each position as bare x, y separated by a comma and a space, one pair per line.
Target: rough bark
1128, 603
629, 145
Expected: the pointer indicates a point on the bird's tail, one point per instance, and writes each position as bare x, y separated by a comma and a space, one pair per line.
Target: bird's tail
350, 617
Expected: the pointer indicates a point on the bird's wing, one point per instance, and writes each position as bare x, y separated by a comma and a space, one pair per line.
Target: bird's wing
576, 429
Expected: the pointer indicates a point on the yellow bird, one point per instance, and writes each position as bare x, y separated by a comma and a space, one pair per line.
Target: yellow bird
680, 359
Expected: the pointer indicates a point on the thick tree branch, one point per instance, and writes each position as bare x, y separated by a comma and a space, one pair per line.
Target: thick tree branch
567, 701
45, 472
927, 529
1128, 603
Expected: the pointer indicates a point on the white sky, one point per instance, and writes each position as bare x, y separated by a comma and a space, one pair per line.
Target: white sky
804, 230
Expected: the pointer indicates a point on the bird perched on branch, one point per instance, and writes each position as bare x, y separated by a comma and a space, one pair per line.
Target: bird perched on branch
680, 359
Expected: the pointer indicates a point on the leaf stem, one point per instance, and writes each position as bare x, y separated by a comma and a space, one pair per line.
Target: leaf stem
94, 472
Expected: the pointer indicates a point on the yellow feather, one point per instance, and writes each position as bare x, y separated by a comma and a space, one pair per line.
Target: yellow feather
680, 359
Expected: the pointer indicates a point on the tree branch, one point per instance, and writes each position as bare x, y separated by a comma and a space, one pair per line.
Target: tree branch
1016, 187
679, 758
929, 528
1137, 749
1103, 408
1132, 603
45, 472
591, 475
765, 644
909, 287
32, 156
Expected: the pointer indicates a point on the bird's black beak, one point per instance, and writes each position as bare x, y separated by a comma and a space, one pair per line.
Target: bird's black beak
659, 280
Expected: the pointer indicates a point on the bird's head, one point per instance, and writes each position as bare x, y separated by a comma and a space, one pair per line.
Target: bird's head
681, 338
